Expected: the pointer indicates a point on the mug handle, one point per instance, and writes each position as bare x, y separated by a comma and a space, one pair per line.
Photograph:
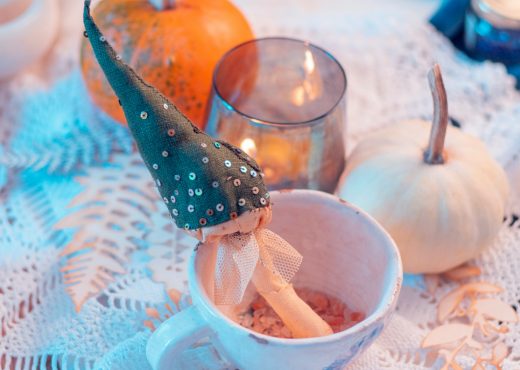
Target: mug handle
174, 336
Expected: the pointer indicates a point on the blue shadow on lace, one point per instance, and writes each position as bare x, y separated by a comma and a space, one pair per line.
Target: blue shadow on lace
31, 210
61, 131
3, 170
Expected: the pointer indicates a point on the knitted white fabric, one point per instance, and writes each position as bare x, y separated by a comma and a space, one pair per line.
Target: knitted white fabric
386, 58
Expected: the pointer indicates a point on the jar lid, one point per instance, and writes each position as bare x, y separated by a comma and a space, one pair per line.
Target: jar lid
500, 13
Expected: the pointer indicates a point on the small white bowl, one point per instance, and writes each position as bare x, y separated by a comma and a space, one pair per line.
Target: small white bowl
26, 37
345, 253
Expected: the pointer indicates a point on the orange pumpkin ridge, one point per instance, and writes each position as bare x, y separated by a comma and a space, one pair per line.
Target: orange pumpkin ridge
174, 49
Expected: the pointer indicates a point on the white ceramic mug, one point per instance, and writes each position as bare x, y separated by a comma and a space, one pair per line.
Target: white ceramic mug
26, 33
345, 254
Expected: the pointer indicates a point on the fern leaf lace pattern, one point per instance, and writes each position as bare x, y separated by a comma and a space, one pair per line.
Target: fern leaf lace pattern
82, 225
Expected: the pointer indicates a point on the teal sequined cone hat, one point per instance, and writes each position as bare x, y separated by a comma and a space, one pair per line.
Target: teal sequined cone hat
214, 191
203, 182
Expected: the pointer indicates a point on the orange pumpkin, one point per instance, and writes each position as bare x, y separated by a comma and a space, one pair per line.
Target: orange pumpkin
174, 49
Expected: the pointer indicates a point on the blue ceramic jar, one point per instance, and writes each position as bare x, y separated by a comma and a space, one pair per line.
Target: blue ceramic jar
492, 31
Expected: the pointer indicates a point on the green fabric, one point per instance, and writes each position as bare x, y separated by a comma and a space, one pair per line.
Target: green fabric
202, 181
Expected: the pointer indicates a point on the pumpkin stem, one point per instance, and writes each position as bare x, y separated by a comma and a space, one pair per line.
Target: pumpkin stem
434, 152
163, 4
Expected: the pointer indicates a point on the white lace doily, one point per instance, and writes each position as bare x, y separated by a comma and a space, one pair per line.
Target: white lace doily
54, 145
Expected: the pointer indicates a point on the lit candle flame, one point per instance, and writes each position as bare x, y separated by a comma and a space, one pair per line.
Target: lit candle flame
311, 86
309, 64
248, 146
298, 96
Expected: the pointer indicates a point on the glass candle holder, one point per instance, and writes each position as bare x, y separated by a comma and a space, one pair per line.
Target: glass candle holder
492, 30
282, 101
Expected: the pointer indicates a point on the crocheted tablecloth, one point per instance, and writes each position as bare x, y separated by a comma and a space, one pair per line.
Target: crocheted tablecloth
56, 147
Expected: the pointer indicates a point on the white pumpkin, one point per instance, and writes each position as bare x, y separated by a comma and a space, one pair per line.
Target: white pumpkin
443, 203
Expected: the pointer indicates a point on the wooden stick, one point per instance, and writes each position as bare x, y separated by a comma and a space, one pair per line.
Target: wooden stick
434, 153
299, 318
297, 315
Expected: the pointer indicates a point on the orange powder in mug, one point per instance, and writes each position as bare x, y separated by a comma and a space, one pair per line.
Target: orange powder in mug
260, 317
